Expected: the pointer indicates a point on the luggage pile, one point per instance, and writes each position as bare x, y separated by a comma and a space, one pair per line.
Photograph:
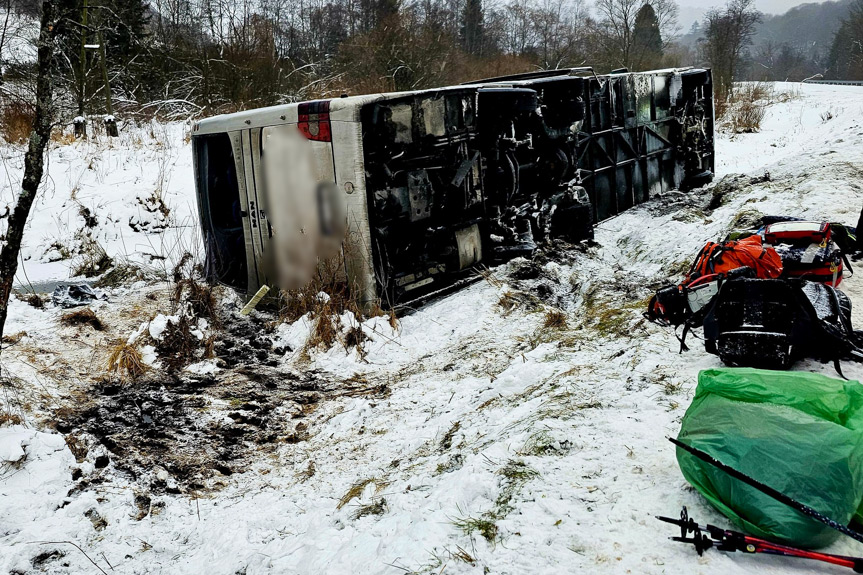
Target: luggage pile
768, 298
779, 453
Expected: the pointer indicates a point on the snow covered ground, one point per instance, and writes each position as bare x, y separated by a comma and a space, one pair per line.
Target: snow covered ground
492, 443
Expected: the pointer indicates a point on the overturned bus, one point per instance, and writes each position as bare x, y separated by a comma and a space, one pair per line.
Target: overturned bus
414, 189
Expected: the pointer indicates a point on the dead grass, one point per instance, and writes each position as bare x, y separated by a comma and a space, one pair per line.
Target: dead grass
357, 489
210, 347
463, 556
81, 317
542, 443
610, 314
199, 297
446, 442
512, 300
32, 299
747, 106
489, 276
177, 345
514, 475
16, 121
13, 338
746, 117
62, 137
10, 419
121, 274
307, 473
125, 359
356, 338
325, 299
554, 319
378, 507
328, 279
326, 329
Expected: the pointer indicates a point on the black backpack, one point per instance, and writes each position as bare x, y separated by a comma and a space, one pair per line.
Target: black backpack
772, 323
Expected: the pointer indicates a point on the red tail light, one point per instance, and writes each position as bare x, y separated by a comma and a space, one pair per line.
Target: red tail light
314, 120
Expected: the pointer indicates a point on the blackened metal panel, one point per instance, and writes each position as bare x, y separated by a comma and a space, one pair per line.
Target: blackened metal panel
623, 183
605, 200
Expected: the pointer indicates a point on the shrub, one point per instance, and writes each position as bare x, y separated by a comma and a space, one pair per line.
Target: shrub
16, 121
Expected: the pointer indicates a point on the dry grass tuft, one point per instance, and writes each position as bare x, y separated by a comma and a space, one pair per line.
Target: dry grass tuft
329, 279
489, 276
325, 331
462, 555
121, 274
325, 299
200, 298
10, 419
378, 507
125, 358
747, 106
16, 121
554, 319
355, 337
182, 269
14, 338
80, 317
32, 299
210, 347
512, 300
446, 442
355, 491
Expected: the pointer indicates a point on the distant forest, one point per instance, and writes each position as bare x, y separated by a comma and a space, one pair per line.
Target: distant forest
207, 56
818, 38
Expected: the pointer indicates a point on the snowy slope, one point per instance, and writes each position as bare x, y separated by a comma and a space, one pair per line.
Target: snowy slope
108, 192
554, 436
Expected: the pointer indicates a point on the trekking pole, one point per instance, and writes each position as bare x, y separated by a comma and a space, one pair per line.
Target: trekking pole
769, 491
709, 536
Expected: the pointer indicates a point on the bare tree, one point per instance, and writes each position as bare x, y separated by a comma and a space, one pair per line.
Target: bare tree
727, 34
33, 160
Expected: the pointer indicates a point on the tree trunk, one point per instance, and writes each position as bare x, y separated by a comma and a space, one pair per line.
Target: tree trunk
34, 161
80, 122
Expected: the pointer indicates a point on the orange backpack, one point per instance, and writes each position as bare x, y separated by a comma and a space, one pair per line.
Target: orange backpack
721, 258
715, 263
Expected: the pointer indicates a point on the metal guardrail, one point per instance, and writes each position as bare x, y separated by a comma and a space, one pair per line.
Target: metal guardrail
838, 82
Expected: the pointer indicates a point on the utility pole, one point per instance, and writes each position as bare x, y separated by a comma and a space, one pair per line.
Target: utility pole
80, 121
110, 121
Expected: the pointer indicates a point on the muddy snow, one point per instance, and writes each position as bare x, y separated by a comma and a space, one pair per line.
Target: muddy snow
517, 426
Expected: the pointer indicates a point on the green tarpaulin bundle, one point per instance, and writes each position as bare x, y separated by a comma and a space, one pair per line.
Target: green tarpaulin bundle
800, 433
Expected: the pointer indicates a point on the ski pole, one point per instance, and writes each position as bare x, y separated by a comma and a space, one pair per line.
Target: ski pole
769, 491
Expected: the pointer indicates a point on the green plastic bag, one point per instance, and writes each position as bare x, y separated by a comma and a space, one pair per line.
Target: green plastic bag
798, 432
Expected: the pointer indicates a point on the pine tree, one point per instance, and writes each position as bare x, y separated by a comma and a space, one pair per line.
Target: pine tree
646, 53
845, 60
472, 27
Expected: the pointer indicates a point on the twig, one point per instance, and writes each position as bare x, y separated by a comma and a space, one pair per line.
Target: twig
106, 561
77, 547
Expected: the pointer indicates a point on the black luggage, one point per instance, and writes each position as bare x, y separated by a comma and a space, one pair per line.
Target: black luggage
772, 323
